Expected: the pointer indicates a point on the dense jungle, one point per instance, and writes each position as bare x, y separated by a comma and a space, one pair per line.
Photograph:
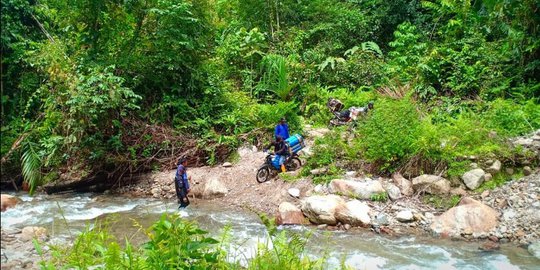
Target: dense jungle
94, 92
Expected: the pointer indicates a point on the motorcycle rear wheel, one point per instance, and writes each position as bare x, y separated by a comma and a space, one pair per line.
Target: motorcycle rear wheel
263, 174
293, 164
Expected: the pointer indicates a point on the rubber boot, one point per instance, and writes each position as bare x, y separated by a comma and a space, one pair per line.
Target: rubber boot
283, 168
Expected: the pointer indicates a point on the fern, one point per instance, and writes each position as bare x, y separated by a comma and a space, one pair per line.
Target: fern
31, 166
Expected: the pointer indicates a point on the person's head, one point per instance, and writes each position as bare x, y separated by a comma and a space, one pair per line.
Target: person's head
279, 138
283, 120
182, 161
370, 105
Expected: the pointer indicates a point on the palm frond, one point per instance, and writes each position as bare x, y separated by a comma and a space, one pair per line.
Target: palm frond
31, 166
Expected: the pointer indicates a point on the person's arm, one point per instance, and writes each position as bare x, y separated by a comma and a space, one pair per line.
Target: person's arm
282, 150
185, 180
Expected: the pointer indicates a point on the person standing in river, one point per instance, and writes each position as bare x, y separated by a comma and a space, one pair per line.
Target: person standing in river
181, 183
282, 129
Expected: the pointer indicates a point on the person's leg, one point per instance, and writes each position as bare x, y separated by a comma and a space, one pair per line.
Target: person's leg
281, 161
184, 201
178, 193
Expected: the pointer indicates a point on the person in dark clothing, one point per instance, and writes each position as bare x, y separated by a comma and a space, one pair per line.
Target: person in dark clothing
282, 129
181, 183
280, 150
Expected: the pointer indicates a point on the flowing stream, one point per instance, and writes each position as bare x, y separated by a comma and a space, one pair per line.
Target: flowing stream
66, 215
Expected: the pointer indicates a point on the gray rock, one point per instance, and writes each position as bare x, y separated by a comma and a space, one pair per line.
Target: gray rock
527, 171
405, 216
488, 177
473, 178
431, 184
227, 164
319, 171
393, 191
357, 189
495, 167
474, 165
381, 219
509, 171
294, 192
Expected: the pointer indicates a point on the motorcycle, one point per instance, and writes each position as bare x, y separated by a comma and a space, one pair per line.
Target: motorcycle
268, 170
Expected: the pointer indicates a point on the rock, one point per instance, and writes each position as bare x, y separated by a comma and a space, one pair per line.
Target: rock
534, 249
495, 167
403, 184
393, 191
227, 164
356, 189
294, 192
473, 178
484, 194
458, 191
509, 171
155, 191
489, 246
381, 219
350, 174
431, 184
321, 209
319, 171
354, 212
488, 177
527, 171
320, 189
468, 217
405, 216
31, 232
474, 165
289, 214
8, 201
214, 189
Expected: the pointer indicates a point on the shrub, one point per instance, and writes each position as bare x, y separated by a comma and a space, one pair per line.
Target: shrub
389, 135
509, 118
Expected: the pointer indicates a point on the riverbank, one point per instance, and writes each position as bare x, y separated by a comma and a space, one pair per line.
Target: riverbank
515, 206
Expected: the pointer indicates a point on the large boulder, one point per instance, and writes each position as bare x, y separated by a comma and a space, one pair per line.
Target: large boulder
403, 184
431, 184
473, 178
354, 212
289, 214
8, 201
468, 217
357, 189
214, 189
321, 209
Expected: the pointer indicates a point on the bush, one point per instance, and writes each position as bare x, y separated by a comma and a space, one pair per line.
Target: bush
389, 135
509, 118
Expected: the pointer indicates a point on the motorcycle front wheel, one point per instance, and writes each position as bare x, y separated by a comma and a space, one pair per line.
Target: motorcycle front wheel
263, 174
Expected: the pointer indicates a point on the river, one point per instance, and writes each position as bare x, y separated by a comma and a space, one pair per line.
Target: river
66, 215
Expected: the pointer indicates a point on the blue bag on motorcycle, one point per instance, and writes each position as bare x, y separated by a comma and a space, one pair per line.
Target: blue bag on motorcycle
295, 143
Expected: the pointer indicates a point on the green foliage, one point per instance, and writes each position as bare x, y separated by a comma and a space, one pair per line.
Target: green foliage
378, 135
31, 166
379, 197
442, 202
510, 118
175, 243
287, 252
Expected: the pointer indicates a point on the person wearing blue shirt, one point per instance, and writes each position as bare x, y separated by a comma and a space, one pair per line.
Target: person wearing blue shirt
282, 129
181, 183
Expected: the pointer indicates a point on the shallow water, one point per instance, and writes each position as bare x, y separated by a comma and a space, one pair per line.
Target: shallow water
66, 215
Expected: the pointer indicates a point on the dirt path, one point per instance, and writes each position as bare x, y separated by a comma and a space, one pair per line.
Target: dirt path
243, 189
